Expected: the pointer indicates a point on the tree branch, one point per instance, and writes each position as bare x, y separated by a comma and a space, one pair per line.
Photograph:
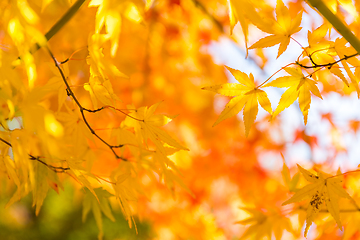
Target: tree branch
82, 109
60, 24
32, 157
328, 65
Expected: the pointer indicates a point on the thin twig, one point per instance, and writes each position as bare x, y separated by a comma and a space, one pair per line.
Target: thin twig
82, 109
32, 157
328, 65
274, 75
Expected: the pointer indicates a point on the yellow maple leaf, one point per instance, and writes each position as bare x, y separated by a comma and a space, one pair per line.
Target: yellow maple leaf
264, 224
97, 205
101, 89
127, 189
10, 168
244, 12
342, 50
108, 15
320, 50
290, 182
236, 15
100, 65
146, 125
282, 31
246, 95
323, 190
75, 130
299, 87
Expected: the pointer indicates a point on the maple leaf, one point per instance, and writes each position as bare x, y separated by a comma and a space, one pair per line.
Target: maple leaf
264, 223
57, 84
9, 166
97, 205
290, 182
127, 188
109, 15
99, 64
246, 95
239, 11
299, 87
343, 51
146, 125
100, 90
319, 49
324, 189
282, 31
236, 14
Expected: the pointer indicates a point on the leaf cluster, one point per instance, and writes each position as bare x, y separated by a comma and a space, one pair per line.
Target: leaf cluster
89, 100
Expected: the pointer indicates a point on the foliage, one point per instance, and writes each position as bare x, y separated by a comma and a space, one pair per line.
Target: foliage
117, 98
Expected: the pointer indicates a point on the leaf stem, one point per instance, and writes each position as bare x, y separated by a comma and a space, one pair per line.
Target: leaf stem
342, 174
274, 74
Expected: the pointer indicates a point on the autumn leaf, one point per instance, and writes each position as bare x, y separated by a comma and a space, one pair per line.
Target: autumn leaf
236, 14
127, 188
102, 91
291, 183
61, 121
263, 224
282, 31
147, 126
299, 87
100, 66
76, 131
9, 166
97, 205
243, 11
323, 190
320, 49
343, 51
245, 96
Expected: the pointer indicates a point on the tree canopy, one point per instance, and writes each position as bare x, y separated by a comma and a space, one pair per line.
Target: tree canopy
139, 107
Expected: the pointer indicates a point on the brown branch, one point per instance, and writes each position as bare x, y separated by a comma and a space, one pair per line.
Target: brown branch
82, 109
55, 169
32, 157
6, 142
116, 109
328, 65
